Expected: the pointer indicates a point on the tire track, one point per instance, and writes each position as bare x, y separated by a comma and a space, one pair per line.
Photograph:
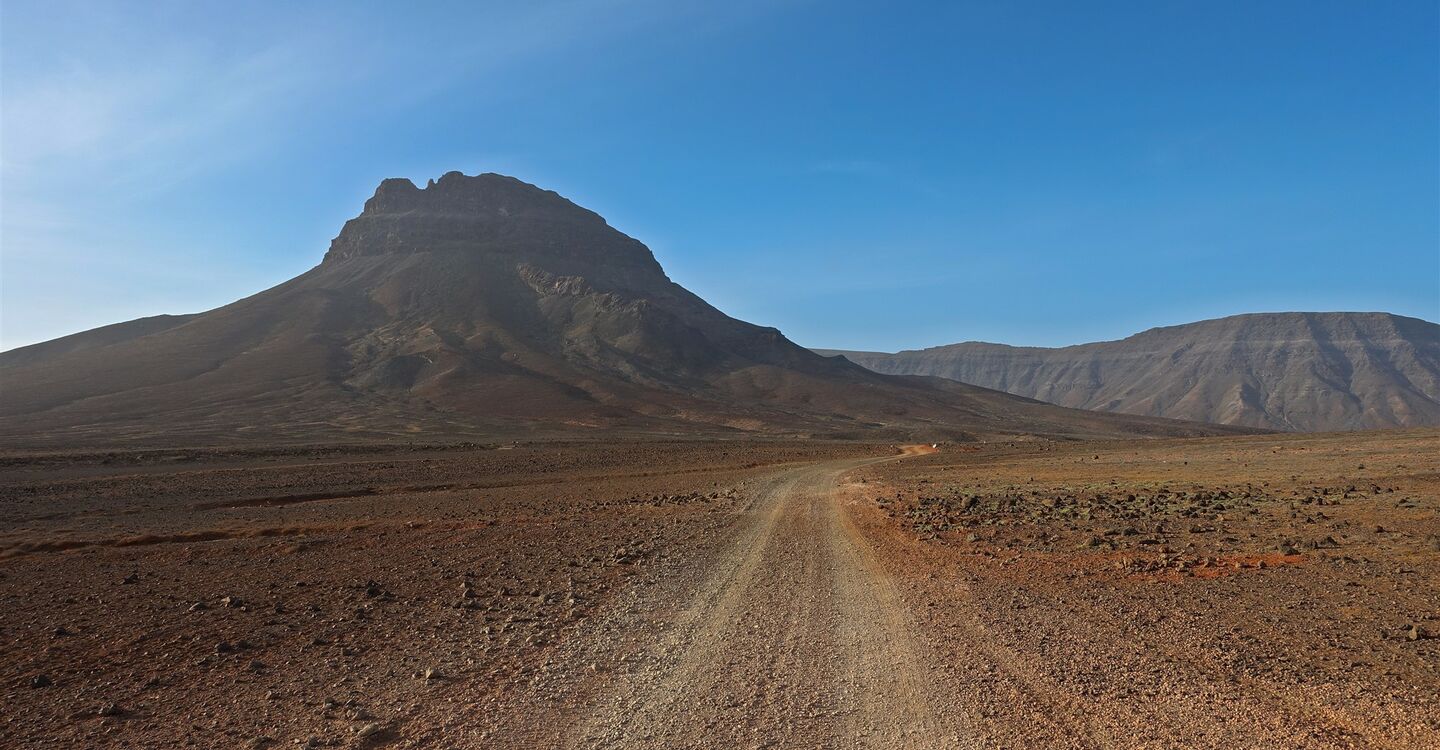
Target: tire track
794, 640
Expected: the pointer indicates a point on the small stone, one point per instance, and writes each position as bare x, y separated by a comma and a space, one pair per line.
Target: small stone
431, 673
231, 602
110, 709
1414, 633
199, 606
40, 681
369, 730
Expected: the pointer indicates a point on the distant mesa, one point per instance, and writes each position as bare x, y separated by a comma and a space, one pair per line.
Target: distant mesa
484, 307
1280, 371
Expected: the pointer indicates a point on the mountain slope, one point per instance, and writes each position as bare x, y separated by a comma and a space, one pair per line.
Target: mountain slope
481, 306
93, 338
1286, 371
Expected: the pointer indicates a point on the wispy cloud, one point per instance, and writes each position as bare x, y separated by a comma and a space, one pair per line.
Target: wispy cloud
105, 108
109, 101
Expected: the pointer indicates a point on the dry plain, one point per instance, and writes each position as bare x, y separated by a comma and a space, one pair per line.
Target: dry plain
1258, 591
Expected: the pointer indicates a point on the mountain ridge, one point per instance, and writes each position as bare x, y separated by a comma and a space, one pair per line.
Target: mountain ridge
484, 306
1305, 371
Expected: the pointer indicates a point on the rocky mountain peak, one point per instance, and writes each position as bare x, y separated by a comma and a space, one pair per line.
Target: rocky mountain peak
483, 194
459, 211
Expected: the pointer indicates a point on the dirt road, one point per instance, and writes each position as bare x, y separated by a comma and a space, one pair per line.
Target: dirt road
795, 639
1266, 592
819, 626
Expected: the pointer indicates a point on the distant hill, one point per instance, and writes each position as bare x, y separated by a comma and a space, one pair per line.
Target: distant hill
1284, 371
482, 306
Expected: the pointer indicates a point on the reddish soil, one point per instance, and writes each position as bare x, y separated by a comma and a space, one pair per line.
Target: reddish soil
726, 595
175, 588
1279, 591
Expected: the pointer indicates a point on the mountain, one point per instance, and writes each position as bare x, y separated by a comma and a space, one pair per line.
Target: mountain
1282, 371
93, 338
481, 306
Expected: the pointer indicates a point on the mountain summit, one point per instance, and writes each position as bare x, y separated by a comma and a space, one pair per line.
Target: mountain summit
487, 212
481, 306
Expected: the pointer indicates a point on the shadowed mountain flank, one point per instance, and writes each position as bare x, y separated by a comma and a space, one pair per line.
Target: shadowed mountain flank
482, 306
1285, 371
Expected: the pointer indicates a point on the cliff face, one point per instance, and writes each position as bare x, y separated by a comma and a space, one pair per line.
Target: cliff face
481, 306
1287, 371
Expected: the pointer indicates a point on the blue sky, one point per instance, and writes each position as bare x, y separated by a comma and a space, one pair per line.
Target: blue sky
860, 175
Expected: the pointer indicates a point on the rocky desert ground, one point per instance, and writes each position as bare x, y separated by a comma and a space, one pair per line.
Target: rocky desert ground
1256, 591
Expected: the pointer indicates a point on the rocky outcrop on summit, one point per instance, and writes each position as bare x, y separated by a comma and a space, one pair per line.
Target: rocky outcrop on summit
1284, 371
483, 306
487, 213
